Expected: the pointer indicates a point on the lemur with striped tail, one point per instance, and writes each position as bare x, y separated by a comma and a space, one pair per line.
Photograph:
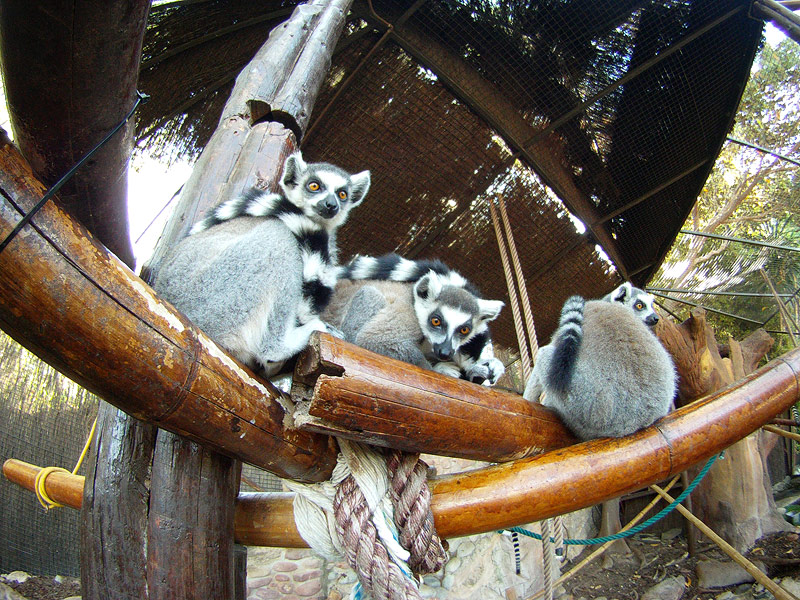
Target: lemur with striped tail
258, 270
421, 312
604, 371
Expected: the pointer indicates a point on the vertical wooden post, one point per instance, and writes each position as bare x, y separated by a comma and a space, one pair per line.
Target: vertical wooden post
185, 547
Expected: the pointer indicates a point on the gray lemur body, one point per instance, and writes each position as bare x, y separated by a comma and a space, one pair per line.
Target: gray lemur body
420, 312
604, 372
258, 270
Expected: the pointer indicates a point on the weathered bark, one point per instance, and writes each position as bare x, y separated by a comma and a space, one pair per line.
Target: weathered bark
363, 396
62, 293
735, 498
122, 454
190, 547
560, 481
70, 71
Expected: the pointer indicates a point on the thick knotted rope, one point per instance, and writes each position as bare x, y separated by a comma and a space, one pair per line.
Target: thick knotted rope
411, 499
377, 516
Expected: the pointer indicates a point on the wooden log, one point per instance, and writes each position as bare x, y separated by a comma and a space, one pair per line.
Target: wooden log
732, 498
559, 481
123, 452
581, 475
356, 394
69, 79
190, 530
295, 99
61, 293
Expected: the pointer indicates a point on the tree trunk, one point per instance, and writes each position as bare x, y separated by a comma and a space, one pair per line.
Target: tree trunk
735, 498
188, 541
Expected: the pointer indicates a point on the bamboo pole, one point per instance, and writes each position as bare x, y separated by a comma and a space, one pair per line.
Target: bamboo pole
774, 588
787, 434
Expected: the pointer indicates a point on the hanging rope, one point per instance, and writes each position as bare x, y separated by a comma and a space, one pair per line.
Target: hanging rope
552, 541
512, 295
374, 512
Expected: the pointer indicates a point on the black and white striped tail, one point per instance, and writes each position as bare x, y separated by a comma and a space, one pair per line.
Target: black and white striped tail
253, 203
567, 341
392, 267
319, 271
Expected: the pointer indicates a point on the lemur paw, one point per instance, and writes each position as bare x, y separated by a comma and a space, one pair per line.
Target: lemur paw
335, 332
448, 368
486, 371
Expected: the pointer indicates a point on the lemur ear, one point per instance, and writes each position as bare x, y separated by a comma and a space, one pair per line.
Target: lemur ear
292, 169
359, 186
621, 293
489, 309
428, 287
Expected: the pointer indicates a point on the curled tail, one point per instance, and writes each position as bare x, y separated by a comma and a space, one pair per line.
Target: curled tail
566, 343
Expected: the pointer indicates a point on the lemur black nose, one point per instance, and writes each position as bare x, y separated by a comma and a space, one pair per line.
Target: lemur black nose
652, 319
331, 204
443, 353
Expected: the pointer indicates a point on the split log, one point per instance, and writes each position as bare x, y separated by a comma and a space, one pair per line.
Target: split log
735, 498
62, 293
69, 79
557, 482
350, 392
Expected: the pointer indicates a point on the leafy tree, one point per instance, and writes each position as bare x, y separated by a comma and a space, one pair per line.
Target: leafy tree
750, 194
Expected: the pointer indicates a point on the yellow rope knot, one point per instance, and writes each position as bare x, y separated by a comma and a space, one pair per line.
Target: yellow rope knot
41, 477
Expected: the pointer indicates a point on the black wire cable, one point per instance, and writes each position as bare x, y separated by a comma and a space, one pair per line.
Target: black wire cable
141, 98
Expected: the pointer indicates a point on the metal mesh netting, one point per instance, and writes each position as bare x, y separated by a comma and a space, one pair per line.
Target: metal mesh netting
740, 250
46, 419
618, 107
549, 104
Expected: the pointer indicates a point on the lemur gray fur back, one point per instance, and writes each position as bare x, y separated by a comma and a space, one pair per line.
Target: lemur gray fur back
604, 372
256, 273
419, 312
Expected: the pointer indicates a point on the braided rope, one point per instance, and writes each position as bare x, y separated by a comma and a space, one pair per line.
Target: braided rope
375, 512
411, 498
382, 578
548, 558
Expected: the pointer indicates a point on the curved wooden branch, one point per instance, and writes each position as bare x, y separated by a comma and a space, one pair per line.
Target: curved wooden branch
559, 481
69, 301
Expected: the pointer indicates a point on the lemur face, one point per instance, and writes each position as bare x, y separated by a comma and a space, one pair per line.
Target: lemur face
639, 301
450, 316
325, 193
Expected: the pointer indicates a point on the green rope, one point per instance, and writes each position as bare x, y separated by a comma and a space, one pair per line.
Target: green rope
633, 530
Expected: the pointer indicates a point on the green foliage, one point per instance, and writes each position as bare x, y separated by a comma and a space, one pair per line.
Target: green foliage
753, 195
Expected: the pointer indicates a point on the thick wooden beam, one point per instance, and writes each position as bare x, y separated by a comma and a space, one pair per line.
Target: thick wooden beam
69, 79
68, 300
553, 483
347, 391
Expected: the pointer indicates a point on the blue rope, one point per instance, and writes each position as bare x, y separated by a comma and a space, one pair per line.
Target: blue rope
633, 530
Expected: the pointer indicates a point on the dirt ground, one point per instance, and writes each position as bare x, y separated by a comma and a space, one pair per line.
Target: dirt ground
653, 560
627, 578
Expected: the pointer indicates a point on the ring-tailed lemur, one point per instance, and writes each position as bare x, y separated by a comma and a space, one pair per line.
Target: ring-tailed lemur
604, 372
258, 270
421, 312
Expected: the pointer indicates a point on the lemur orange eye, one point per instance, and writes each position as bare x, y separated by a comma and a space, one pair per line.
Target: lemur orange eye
436, 321
342, 195
639, 305
313, 186
464, 330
